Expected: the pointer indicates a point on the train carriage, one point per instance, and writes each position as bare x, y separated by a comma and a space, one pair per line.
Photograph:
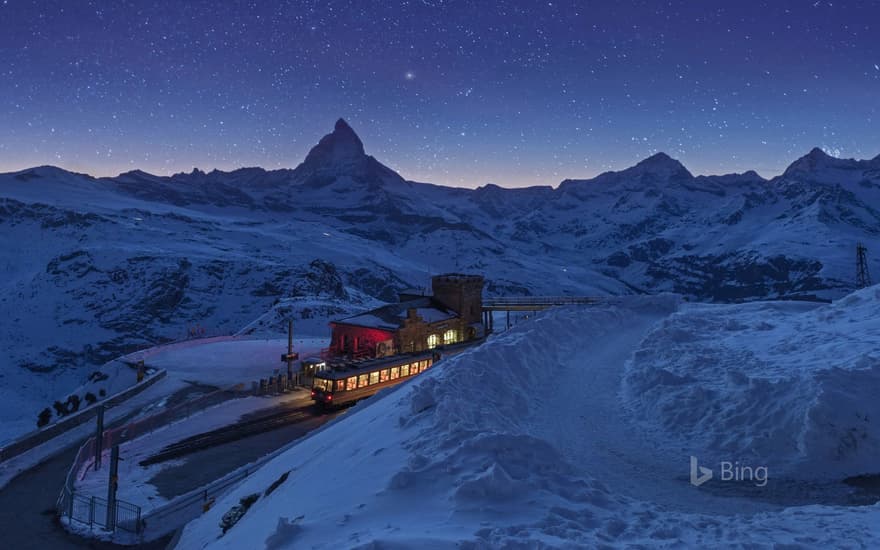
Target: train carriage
353, 381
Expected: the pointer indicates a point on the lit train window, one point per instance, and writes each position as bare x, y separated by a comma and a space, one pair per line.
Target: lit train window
395, 373
363, 380
423, 365
383, 375
340, 385
404, 370
351, 383
433, 341
374, 377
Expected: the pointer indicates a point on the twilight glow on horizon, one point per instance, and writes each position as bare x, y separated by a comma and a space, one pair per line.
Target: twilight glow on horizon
451, 92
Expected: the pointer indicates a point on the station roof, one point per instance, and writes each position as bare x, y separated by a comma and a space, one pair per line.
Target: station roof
391, 317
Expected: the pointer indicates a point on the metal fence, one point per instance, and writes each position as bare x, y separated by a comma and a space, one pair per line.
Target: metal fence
92, 511
70, 503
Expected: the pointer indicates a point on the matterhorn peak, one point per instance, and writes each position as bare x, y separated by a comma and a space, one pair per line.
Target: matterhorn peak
342, 146
661, 163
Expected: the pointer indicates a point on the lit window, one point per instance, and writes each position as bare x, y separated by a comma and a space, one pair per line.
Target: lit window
383, 375
351, 383
423, 365
404, 370
363, 380
374, 377
340, 385
395, 373
449, 337
433, 341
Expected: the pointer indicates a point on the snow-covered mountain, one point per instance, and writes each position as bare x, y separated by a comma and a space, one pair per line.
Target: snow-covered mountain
94, 266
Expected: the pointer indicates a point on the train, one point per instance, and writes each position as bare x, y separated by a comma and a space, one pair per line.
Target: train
352, 381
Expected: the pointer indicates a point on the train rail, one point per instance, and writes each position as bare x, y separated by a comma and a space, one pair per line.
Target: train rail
234, 432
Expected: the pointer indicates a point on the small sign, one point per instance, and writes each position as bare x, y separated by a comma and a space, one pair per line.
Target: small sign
291, 357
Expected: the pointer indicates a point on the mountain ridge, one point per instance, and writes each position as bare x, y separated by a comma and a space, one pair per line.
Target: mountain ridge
342, 150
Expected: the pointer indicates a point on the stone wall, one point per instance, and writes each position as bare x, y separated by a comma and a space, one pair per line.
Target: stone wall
462, 294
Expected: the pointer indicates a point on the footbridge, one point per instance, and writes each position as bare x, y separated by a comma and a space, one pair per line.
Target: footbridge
531, 304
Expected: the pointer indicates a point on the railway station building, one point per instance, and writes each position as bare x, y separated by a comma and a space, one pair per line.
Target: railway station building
449, 313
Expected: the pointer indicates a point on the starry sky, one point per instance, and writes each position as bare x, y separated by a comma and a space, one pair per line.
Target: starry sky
453, 92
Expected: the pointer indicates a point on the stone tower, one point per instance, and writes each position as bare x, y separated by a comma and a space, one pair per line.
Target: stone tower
462, 294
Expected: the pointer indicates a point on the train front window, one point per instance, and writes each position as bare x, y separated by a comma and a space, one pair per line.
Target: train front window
322, 384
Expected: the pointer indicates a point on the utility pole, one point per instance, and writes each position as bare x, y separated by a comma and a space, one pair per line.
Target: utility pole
111, 488
99, 437
863, 278
290, 356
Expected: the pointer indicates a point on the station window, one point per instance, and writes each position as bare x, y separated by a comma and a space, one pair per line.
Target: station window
340, 385
449, 337
404, 370
433, 341
395, 373
383, 375
374, 377
363, 380
351, 383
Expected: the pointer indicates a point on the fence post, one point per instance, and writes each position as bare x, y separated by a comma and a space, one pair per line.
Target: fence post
99, 437
111, 489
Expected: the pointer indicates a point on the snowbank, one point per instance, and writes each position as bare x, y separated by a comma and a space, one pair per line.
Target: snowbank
518, 443
789, 385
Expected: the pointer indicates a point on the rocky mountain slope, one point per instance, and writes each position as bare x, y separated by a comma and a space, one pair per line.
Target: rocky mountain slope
92, 267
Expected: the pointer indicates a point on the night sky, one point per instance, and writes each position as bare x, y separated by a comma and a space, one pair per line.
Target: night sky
452, 92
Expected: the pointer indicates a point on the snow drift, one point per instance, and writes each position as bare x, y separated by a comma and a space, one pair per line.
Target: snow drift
524, 442
788, 385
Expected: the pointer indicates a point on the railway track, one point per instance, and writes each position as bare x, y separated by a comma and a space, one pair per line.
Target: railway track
231, 433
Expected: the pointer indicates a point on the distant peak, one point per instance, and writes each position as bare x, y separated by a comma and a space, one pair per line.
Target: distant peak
342, 126
814, 160
661, 163
340, 146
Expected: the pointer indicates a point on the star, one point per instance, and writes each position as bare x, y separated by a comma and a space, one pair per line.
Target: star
409, 75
